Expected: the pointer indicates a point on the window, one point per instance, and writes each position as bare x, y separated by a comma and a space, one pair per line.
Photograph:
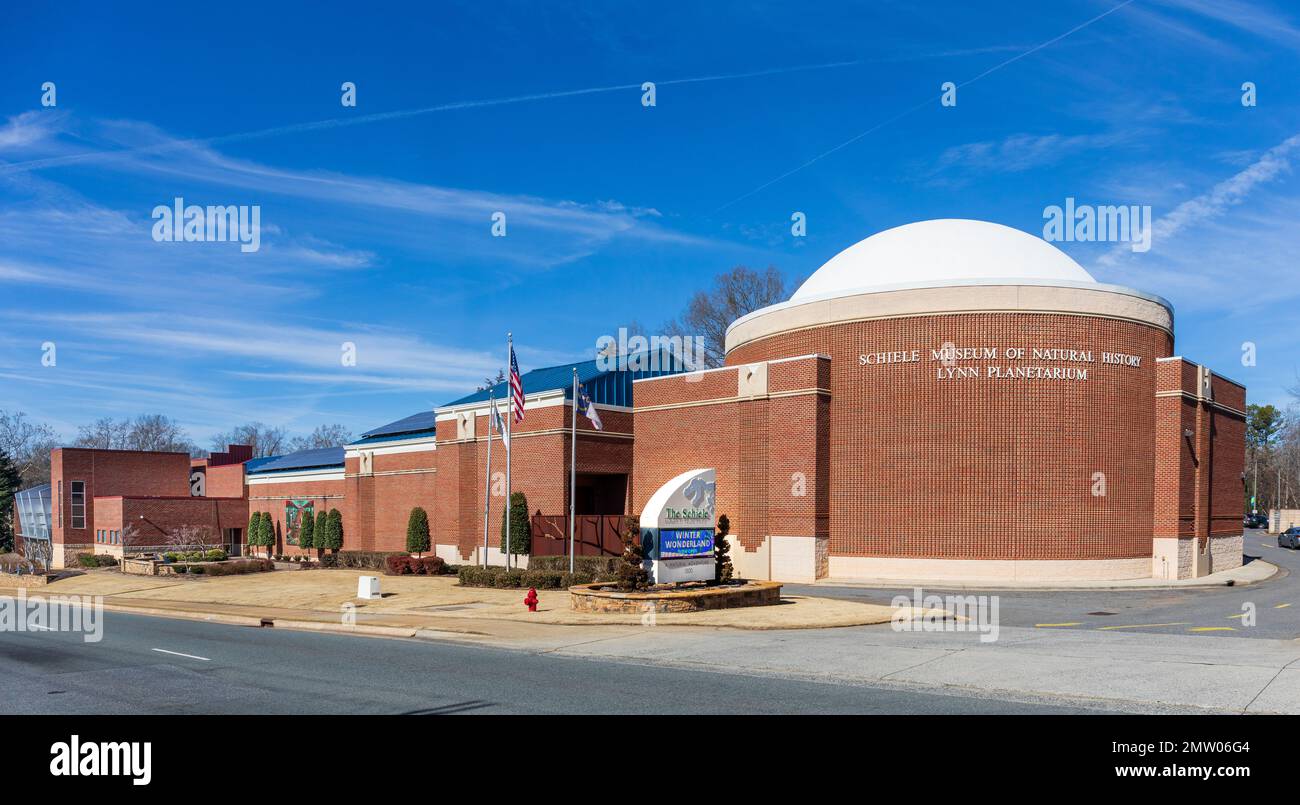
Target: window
78, 504
60, 503
117, 537
99, 535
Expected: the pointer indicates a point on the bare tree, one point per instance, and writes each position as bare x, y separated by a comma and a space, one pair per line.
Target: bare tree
158, 432
489, 382
265, 440
29, 446
104, 433
130, 536
189, 538
324, 436
735, 293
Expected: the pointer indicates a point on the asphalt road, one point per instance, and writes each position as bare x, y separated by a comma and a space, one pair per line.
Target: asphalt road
1208, 612
158, 665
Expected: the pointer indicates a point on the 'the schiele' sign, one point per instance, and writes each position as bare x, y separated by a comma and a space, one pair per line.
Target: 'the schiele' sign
677, 528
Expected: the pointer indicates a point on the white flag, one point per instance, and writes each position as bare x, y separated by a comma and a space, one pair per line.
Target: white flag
498, 423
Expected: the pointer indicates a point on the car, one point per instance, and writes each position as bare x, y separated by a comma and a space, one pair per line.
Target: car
1257, 520
1289, 538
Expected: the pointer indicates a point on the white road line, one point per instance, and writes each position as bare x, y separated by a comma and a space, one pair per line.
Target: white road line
178, 654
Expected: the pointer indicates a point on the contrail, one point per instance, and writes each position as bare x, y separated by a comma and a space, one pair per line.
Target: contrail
339, 122
921, 105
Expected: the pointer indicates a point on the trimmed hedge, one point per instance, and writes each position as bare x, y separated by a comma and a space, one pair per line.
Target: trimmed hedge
414, 565
500, 578
214, 555
235, 568
363, 560
602, 568
96, 560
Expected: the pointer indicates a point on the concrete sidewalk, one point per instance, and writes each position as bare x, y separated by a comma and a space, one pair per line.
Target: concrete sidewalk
1250, 573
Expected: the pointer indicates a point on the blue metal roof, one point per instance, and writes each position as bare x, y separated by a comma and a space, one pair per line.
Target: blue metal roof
254, 463
415, 423
605, 387
319, 458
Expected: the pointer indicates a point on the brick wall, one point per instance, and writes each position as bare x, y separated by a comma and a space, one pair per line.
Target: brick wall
539, 469
1199, 488
323, 494
154, 518
107, 473
769, 448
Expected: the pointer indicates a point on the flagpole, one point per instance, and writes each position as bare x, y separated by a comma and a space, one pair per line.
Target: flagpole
573, 466
510, 416
487, 480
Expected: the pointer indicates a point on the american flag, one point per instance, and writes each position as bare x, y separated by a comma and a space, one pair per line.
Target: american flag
516, 387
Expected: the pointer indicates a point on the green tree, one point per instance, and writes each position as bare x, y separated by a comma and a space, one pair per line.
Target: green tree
630, 572
319, 531
521, 535
334, 531
268, 533
10, 480
306, 529
1263, 425
722, 551
254, 534
417, 531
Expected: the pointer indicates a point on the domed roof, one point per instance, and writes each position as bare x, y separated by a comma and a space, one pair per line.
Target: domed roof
944, 250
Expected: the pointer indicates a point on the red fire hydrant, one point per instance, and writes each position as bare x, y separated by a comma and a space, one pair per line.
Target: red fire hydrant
531, 599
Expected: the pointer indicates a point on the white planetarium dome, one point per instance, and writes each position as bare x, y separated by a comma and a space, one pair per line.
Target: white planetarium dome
945, 250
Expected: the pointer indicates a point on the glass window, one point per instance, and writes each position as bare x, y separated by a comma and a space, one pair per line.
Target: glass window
78, 504
60, 502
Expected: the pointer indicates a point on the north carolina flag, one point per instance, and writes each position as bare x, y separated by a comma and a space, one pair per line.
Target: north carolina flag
588, 409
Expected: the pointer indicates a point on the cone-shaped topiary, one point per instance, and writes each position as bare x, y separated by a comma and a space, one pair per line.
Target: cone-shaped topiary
306, 529
521, 539
319, 531
334, 531
268, 533
254, 535
417, 531
722, 551
631, 573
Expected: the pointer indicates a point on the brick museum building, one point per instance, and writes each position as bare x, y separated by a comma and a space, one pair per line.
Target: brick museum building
948, 399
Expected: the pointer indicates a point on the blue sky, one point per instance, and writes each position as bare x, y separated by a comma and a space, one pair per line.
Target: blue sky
376, 226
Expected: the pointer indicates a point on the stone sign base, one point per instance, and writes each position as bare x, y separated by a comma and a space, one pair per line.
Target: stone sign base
602, 597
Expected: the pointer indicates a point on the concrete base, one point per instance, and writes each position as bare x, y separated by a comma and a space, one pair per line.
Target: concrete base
496, 558
794, 559
1038, 570
1177, 558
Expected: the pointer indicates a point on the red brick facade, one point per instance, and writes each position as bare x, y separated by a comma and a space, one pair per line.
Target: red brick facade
105, 473
145, 523
539, 468
889, 460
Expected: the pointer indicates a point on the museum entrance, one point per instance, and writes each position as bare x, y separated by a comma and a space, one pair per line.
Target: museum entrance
599, 493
